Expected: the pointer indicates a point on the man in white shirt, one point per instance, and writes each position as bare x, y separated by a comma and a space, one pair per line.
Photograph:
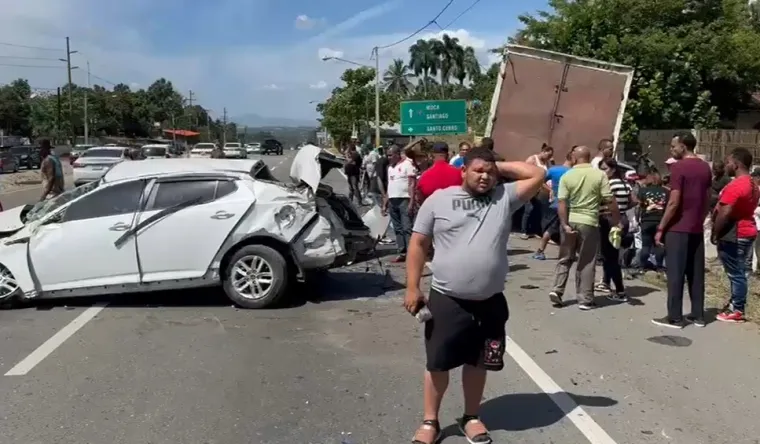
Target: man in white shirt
604, 151
399, 202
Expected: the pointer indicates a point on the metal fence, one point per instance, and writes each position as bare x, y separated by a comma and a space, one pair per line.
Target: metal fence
711, 144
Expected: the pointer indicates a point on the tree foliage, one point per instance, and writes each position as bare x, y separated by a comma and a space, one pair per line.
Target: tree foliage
437, 69
119, 111
696, 62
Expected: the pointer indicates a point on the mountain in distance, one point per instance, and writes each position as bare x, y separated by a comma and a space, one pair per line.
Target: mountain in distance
255, 120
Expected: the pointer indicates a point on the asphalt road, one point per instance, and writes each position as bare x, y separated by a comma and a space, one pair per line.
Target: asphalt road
345, 366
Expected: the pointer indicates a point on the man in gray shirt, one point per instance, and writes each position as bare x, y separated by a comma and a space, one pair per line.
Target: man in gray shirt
469, 226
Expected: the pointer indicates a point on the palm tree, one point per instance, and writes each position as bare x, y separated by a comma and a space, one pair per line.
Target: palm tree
397, 78
423, 61
450, 54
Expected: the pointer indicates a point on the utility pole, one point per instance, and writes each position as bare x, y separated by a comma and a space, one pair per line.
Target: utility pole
58, 115
174, 132
71, 102
224, 128
190, 99
377, 96
208, 124
86, 113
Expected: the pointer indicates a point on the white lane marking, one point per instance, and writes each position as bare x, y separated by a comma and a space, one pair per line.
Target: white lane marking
575, 413
55, 341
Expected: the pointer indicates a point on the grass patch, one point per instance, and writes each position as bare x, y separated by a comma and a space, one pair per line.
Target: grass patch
717, 289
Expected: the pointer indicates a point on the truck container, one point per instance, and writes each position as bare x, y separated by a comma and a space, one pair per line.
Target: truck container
554, 98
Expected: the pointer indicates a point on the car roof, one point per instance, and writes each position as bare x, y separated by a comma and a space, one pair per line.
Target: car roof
109, 147
168, 167
156, 145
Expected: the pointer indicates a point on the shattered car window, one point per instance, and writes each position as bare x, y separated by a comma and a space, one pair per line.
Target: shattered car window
46, 207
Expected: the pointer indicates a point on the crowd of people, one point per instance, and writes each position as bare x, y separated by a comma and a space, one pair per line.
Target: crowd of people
594, 208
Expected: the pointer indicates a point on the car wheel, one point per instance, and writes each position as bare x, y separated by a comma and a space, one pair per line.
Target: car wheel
9, 289
256, 277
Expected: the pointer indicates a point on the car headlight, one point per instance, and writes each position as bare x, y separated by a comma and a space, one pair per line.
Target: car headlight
286, 216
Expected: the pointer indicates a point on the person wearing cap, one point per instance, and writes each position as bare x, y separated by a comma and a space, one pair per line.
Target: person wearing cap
441, 174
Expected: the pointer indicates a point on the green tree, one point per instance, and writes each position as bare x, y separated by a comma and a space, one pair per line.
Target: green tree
397, 78
696, 62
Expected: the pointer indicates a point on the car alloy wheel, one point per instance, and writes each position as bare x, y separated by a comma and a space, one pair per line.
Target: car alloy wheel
8, 284
252, 277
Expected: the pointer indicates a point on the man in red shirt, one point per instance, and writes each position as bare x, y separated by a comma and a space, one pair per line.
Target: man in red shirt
441, 175
734, 230
682, 227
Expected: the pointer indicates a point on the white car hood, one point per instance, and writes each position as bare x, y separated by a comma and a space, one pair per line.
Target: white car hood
312, 164
10, 220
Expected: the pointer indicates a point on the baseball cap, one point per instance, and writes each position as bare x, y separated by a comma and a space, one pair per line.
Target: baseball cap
440, 147
670, 161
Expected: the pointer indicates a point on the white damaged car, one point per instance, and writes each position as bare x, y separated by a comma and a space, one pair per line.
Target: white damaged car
182, 223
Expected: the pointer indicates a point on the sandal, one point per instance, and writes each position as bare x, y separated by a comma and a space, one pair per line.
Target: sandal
428, 425
480, 438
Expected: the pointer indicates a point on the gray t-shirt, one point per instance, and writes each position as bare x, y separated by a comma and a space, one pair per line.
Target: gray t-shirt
470, 237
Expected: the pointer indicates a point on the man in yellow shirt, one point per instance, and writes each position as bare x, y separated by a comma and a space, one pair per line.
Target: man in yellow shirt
582, 190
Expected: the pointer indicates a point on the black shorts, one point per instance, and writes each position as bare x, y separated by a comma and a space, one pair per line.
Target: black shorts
550, 222
465, 332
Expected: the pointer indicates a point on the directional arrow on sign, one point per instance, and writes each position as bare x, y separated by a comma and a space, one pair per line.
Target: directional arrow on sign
411, 129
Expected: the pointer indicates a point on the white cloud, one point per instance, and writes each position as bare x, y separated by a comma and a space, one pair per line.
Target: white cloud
358, 19
319, 85
304, 22
277, 81
326, 53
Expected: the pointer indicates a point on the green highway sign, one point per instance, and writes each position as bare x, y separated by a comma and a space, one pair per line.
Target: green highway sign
432, 117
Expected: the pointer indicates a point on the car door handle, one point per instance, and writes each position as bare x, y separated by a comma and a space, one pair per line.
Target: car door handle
120, 226
221, 215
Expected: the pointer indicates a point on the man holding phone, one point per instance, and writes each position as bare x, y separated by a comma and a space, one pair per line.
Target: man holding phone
470, 226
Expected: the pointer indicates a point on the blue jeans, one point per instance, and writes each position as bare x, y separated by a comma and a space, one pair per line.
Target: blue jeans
737, 261
398, 210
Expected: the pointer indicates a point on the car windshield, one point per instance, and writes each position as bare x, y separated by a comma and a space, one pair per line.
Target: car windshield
46, 207
154, 151
204, 146
20, 149
98, 152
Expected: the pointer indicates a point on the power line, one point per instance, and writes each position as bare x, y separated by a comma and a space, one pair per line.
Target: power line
103, 80
31, 66
53, 59
412, 35
459, 16
39, 48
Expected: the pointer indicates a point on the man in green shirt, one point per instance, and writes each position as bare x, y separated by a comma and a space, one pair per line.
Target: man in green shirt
582, 190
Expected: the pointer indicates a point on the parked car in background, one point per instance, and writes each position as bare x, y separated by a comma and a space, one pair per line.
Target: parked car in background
253, 148
27, 156
271, 146
156, 151
201, 150
78, 151
183, 223
8, 162
234, 150
94, 163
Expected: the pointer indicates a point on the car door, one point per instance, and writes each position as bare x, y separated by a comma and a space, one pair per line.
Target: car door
184, 224
79, 248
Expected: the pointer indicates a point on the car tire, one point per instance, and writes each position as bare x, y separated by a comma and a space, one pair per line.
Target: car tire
280, 277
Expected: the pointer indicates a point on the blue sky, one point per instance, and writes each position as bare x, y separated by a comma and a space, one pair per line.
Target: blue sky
256, 56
